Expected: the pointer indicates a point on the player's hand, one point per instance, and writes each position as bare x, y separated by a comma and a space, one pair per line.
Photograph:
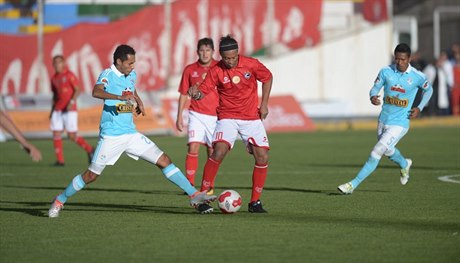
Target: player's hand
263, 112
179, 124
194, 92
414, 113
34, 153
375, 100
127, 97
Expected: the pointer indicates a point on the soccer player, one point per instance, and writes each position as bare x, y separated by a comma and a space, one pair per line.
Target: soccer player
117, 87
400, 82
64, 115
239, 112
202, 113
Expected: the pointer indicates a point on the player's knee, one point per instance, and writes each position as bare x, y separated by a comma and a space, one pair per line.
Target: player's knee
72, 136
378, 151
89, 176
390, 152
219, 151
163, 161
261, 156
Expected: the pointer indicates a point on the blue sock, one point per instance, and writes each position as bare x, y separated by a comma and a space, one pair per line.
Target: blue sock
173, 174
398, 159
367, 169
76, 185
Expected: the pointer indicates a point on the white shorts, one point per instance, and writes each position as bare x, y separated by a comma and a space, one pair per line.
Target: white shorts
201, 128
67, 120
251, 132
389, 136
110, 148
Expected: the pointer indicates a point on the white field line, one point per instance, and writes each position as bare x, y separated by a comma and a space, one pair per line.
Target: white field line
448, 178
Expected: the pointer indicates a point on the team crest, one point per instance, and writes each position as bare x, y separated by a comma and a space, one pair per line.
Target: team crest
409, 81
127, 91
236, 79
247, 75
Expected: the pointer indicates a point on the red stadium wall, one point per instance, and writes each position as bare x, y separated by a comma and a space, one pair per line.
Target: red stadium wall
89, 47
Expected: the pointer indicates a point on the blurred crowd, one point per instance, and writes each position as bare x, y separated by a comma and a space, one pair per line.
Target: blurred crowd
444, 74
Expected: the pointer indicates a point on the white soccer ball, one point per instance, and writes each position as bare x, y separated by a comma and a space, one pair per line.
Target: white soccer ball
229, 201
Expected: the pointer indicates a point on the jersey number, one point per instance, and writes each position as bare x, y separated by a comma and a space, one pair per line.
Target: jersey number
219, 135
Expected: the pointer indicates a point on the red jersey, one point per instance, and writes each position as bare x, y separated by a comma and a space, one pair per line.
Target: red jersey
237, 88
62, 86
193, 74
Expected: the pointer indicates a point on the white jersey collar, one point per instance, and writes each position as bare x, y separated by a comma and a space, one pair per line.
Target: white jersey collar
114, 69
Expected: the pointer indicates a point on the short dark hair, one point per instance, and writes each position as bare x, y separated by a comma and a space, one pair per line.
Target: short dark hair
205, 42
403, 48
227, 43
57, 57
122, 52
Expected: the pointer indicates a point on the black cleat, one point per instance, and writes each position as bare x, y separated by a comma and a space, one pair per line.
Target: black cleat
204, 209
256, 207
59, 164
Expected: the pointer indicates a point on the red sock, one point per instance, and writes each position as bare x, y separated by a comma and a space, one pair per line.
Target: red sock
83, 144
191, 164
57, 141
209, 175
258, 180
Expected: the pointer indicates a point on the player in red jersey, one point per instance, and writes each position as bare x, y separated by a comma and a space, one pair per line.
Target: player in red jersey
65, 88
202, 113
239, 112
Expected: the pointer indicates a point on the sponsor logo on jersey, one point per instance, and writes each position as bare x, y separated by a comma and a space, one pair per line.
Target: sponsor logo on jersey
394, 100
195, 74
127, 91
247, 75
236, 79
425, 85
398, 89
124, 108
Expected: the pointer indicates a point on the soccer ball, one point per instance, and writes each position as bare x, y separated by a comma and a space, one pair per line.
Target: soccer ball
229, 201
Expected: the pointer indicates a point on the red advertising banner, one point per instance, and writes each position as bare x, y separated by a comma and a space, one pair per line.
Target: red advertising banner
89, 47
285, 115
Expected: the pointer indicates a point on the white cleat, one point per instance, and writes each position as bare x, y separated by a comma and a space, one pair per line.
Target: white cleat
56, 207
405, 172
346, 189
202, 198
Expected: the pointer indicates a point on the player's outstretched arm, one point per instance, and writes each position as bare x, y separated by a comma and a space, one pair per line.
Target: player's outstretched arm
7, 123
266, 89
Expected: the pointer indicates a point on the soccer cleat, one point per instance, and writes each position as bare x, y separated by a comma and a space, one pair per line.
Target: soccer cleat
211, 191
346, 189
56, 207
405, 172
256, 207
59, 164
204, 209
201, 198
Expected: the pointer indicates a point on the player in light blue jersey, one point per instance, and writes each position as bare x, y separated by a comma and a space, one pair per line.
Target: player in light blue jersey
400, 83
118, 134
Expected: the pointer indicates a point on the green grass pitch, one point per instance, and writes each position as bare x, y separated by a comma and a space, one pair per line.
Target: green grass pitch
133, 214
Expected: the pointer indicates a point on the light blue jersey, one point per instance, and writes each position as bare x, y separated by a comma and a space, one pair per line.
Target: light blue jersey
400, 89
117, 116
